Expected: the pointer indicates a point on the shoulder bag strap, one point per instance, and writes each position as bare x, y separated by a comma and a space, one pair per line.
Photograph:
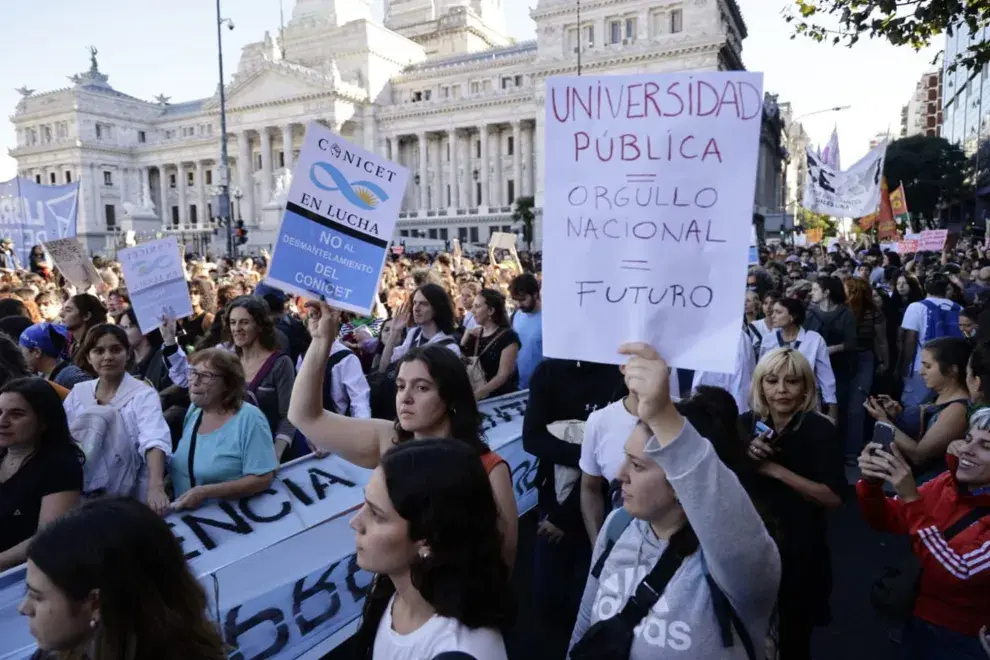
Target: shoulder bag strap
965, 522
490, 343
192, 449
650, 589
266, 369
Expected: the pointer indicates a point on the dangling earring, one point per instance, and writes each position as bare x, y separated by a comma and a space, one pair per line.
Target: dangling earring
424, 553
93, 623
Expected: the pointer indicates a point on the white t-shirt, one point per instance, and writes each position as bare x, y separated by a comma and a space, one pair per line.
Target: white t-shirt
916, 318
438, 635
604, 446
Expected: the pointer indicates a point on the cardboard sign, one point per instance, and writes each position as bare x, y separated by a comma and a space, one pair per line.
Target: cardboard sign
502, 240
339, 217
648, 213
156, 282
933, 240
71, 260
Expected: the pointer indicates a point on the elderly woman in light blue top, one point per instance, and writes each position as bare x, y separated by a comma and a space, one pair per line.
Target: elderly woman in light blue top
226, 450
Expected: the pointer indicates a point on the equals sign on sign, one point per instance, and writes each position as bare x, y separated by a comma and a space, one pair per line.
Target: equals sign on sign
641, 178
635, 264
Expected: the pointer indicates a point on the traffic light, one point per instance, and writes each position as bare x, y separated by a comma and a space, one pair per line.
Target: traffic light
241, 233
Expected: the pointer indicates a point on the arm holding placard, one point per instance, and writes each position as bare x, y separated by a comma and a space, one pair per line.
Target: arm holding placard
399, 323
359, 441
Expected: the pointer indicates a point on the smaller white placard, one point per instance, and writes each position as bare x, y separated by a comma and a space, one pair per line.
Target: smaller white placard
156, 282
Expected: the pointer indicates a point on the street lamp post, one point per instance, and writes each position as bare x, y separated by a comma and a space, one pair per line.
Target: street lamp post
838, 108
224, 202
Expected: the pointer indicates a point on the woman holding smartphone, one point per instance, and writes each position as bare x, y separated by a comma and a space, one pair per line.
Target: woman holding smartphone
922, 434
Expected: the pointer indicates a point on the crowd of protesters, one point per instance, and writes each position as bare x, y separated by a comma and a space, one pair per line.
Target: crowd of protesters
680, 514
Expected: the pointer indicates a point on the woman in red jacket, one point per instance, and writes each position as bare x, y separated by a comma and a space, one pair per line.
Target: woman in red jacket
954, 594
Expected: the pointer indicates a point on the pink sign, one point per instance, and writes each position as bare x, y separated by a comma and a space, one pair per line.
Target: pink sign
933, 240
908, 246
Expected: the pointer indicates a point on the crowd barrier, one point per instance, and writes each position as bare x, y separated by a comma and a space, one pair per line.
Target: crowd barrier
278, 567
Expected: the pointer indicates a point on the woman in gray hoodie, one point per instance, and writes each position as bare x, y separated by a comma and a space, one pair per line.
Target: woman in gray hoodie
721, 597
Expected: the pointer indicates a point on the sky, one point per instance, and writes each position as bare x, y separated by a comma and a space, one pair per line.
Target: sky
157, 47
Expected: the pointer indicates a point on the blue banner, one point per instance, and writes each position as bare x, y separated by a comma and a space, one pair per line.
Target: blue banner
32, 214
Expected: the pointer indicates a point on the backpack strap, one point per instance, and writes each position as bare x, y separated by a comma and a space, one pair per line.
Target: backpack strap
726, 615
335, 359
616, 525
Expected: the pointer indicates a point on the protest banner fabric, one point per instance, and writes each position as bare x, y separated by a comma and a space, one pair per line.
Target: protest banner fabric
933, 240
156, 282
867, 221
647, 214
898, 204
830, 156
72, 261
854, 193
279, 567
886, 226
32, 214
339, 217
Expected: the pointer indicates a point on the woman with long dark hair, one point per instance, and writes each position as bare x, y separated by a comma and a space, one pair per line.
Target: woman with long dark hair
428, 529
434, 400
41, 473
80, 313
146, 361
268, 372
429, 315
494, 344
109, 581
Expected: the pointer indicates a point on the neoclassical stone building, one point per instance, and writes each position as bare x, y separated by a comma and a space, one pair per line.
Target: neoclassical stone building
437, 87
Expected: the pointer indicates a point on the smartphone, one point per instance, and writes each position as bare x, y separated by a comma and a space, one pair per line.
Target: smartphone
883, 434
763, 428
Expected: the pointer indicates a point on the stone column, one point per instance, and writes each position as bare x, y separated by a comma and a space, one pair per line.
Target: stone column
423, 182
180, 184
530, 160
455, 177
483, 165
287, 145
266, 165
516, 160
389, 148
467, 183
245, 170
165, 211
201, 218
498, 182
146, 187
539, 160
437, 200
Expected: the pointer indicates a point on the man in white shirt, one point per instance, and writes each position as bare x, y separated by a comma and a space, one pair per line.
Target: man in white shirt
349, 389
917, 332
603, 451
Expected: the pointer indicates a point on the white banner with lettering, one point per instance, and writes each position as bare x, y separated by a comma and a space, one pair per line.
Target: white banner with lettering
279, 567
851, 194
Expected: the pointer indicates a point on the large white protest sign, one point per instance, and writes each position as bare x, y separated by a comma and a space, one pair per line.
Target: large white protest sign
71, 260
339, 217
279, 567
156, 282
647, 214
854, 193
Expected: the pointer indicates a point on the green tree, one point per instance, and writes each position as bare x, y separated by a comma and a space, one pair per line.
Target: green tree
524, 216
913, 23
812, 220
932, 169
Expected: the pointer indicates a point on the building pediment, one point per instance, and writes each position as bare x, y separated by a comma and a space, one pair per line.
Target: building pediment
273, 84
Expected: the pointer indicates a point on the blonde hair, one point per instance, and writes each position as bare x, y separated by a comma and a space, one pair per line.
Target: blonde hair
783, 362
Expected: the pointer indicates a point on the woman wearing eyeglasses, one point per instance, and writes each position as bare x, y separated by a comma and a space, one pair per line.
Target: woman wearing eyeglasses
226, 450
